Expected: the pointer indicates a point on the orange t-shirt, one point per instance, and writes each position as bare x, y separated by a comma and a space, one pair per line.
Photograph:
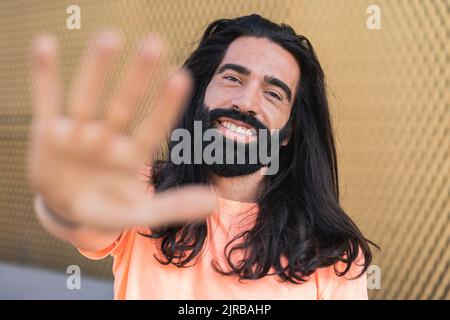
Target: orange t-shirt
138, 275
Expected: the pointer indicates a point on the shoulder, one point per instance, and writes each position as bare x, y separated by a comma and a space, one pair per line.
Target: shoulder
351, 286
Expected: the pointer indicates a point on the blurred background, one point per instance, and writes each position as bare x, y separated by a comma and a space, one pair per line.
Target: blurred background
389, 93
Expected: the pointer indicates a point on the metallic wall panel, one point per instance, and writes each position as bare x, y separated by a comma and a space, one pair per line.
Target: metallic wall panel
389, 92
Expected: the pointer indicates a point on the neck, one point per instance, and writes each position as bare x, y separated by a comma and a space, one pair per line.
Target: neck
244, 188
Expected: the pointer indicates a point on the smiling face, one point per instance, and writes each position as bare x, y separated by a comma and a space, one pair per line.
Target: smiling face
257, 77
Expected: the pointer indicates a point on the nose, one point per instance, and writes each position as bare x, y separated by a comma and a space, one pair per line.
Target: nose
247, 100
250, 112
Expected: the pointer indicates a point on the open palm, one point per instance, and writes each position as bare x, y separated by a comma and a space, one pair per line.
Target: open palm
87, 170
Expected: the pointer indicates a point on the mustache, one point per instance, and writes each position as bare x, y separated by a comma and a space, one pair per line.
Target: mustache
215, 114
209, 119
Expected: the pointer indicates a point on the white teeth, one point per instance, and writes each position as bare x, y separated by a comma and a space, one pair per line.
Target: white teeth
238, 129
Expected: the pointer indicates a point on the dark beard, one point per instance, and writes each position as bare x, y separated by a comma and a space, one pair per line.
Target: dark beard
209, 120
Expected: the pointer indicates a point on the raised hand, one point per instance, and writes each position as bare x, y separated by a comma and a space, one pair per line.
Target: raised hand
87, 170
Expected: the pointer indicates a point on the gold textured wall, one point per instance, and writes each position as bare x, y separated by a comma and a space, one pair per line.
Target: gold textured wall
389, 92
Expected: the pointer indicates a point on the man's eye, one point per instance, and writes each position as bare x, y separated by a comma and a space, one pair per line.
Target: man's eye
275, 95
231, 78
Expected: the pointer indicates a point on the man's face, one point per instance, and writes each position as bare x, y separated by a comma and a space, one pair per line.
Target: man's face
256, 77
251, 91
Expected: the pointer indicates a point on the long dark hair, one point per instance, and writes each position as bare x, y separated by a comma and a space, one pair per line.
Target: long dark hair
300, 226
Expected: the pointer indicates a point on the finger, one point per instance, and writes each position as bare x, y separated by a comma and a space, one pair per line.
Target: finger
91, 77
186, 204
167, 109
45, 78
141, 71
182, 205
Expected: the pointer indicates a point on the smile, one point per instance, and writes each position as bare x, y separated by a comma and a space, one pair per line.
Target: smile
238, 127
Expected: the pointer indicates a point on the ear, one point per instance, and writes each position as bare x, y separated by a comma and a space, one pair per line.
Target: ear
286, 140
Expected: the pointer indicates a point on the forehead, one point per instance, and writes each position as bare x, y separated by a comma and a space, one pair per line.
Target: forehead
264, 57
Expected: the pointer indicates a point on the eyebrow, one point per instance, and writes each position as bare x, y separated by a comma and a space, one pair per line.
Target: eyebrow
268, 79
